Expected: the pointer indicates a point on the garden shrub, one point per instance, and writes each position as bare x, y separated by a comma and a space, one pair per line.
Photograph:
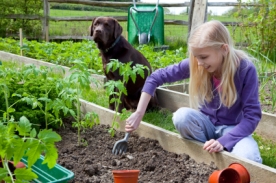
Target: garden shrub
259, 25
10, 27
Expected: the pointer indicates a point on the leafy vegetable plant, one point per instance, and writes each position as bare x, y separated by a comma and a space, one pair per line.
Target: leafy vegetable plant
31, 93
18, 139
117, 88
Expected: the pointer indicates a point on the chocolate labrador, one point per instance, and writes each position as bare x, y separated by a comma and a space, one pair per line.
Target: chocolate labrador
107, 34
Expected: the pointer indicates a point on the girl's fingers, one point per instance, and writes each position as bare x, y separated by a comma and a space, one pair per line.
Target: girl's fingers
128, 128
212, 146
208, 144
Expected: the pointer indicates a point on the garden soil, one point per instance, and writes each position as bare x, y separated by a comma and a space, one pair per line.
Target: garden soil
93, 161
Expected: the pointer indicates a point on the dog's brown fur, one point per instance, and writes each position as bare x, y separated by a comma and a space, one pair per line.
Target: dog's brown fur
106, 33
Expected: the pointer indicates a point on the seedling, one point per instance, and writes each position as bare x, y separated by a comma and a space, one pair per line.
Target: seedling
117, 88
72, 87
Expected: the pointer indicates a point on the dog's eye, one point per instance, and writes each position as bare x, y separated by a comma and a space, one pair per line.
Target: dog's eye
106, 24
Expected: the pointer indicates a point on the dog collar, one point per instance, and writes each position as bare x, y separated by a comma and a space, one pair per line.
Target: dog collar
115, 42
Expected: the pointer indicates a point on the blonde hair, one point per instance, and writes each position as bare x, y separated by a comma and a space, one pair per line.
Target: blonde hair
213, 34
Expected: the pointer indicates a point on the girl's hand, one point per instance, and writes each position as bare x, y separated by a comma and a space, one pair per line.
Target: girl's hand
133, 121
212, 146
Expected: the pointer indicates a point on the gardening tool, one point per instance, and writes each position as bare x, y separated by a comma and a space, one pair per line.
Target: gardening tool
120, 146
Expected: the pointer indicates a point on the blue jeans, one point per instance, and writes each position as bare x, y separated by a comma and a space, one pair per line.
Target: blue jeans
194, 125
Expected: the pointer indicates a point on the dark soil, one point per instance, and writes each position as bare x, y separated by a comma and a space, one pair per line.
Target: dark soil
94, 161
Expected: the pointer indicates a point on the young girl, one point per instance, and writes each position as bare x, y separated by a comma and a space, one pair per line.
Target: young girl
224, 99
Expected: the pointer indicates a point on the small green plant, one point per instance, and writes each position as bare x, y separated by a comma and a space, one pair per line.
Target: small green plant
72, 88
49, 103
18, 139
117, 88
84, 142
6, 76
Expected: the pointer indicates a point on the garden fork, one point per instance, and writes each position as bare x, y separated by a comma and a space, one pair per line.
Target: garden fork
120, 146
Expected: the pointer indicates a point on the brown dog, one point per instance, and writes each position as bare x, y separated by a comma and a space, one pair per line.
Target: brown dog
106, 33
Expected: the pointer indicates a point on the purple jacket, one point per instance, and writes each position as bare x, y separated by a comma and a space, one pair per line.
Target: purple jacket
245, 113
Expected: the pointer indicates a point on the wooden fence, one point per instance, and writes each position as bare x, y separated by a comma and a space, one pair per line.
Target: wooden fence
197, 14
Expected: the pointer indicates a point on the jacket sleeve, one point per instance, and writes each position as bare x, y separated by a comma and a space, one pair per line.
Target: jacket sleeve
251, 109
168, 74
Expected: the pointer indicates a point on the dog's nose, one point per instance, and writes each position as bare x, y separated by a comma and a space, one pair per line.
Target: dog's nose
98, 31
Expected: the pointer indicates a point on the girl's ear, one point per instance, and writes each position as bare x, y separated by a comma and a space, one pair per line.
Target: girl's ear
225, 49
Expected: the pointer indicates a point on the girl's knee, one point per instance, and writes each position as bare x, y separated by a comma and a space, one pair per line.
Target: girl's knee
181, 116
254, 156
248, 148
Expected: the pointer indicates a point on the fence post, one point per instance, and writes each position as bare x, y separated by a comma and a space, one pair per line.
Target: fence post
21, 41
45, 26
198, 13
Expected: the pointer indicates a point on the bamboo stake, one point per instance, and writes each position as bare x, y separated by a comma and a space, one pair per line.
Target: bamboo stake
47, 33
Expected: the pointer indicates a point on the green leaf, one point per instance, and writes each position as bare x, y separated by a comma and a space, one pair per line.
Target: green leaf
33, 133
133, 77
51, 156
45, 99
112, 101
33, 152
10, 110
3, 173
25, 174
24, 126
48, 136
19, 149
141, 73
9, 150
125, 114
72, 112
17, 95
109, 66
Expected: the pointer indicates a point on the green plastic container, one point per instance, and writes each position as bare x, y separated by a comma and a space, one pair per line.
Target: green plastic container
58, 174
148, 19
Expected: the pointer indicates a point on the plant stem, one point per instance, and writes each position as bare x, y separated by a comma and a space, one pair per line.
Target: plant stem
7, 104
78, 115
46, 118
6, 165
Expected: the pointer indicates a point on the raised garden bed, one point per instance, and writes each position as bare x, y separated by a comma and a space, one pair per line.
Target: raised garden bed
178, 97
172, 142
93, 161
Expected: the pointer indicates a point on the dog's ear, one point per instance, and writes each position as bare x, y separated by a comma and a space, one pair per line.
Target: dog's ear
91, 27
117, 29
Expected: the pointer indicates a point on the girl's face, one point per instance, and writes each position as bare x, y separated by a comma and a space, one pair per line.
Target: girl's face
210, 58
